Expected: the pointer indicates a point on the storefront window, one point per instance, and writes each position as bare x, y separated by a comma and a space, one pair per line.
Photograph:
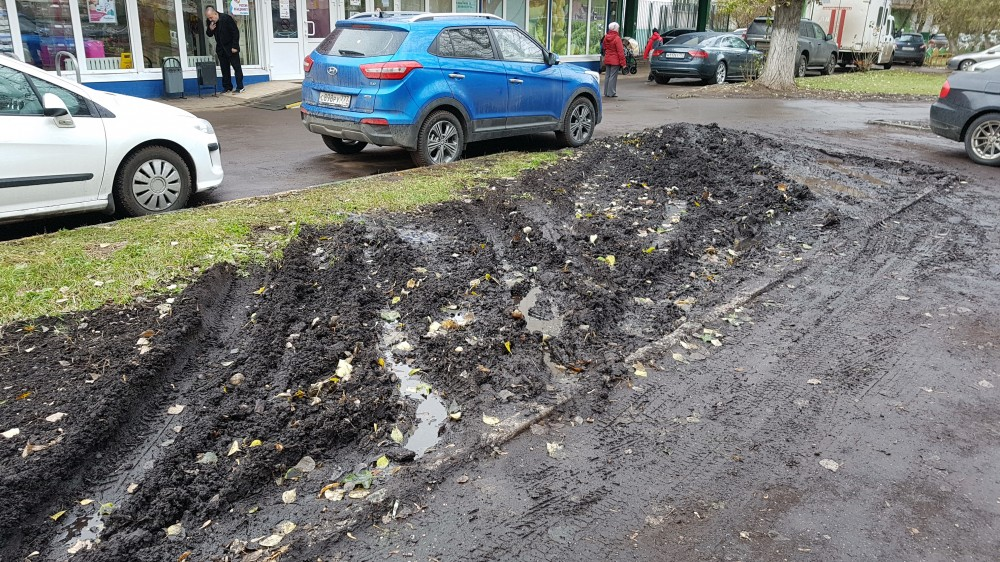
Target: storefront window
538, 21
468, 6
580, 11
439, 6
412, 5
6, 41
598, 13
515, 12
560, 27
106, 41
46, 28
494, 7
245, 14
158, 31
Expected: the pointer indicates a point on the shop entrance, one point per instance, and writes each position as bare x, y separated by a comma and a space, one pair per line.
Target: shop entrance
299, 26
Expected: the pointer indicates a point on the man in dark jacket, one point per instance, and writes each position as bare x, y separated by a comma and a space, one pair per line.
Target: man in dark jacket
227, 46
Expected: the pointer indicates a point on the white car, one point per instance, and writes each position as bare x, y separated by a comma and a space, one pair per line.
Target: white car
65, 148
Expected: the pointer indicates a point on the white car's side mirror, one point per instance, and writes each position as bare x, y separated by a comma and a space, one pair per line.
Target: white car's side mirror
55, 108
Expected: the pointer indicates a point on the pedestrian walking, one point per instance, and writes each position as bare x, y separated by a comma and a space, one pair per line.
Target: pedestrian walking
614, 60
653, 40
227, 46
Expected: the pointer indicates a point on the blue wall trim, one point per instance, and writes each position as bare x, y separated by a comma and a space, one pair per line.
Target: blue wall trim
154, 88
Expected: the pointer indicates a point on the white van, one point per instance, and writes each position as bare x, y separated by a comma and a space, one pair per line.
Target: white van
862, 28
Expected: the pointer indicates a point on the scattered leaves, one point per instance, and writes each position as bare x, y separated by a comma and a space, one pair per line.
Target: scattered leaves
56, 417
490, 420
640, 370
55, 516
234, 448
175, 530
390, 315
11, 433
175, 409
382, 462
288, 496
454, 411
814, 381
506, 345
555, 450
396, 435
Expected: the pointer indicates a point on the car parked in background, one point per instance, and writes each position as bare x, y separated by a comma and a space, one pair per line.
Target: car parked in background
817, 49
968, 110
938, 41
430, 83
910, 49
670, 35
712, 57
66, 148
984, 66
965, 60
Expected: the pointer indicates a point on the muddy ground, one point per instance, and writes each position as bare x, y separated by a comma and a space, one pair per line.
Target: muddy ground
688, 344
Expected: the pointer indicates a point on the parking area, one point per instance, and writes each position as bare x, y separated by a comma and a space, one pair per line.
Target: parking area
268, 152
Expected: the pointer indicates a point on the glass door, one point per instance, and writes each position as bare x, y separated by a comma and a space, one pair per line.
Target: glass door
286, 41
318, 22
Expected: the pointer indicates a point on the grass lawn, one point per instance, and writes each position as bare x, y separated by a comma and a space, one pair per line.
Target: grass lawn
888, 82
84, 268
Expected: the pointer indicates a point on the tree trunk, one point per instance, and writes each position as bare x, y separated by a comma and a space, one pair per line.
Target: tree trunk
783, 53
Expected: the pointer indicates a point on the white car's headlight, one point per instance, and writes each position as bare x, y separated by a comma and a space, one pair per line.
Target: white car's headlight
595, 75
204, 126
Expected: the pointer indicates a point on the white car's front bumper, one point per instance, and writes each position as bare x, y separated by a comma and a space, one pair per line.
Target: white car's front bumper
208, 167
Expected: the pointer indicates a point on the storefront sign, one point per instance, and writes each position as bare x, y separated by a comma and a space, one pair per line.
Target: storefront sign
239, 7
284, 9
103, 11
466, 5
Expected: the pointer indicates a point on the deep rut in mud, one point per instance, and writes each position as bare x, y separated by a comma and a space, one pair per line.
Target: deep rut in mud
404, 336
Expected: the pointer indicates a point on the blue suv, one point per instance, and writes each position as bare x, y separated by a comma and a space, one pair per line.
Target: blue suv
431, 83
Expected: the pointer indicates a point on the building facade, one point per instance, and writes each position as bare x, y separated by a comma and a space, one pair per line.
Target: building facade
123, 45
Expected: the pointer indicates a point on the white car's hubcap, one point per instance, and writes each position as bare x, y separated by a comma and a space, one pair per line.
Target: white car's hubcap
156, 185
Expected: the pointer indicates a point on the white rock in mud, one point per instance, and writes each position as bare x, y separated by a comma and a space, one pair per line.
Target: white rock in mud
403, 347
830, 465
56, 417
11, 433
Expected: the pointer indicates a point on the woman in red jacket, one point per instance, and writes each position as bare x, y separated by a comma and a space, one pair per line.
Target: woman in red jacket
614, 60
653, 40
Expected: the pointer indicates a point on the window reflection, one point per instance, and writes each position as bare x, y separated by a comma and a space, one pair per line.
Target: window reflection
46, 28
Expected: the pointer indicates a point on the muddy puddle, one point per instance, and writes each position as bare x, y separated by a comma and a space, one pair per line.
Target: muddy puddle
431, 412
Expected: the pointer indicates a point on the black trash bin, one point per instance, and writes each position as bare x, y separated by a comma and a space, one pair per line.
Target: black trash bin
173, 78
207, 77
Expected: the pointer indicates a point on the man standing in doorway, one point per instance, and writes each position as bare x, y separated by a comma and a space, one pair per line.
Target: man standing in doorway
227, 46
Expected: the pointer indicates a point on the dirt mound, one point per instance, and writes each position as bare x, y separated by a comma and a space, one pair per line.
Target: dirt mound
390, 335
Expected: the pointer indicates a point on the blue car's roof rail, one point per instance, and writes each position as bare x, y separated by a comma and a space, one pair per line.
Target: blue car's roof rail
429, 17
382, 15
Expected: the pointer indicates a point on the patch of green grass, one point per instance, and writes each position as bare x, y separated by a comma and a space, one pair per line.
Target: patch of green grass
886, 82
82, 269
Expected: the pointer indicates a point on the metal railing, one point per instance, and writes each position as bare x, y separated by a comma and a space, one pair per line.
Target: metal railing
59, 67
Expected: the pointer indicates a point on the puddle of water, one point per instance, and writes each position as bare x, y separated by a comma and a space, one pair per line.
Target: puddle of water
552, 327
431, 411
824, 185
856, 174
414, 236
84, 528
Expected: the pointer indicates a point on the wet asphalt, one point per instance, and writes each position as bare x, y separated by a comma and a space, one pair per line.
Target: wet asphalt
266, 152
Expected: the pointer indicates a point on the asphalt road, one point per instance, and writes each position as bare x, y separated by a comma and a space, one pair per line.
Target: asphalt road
268, 152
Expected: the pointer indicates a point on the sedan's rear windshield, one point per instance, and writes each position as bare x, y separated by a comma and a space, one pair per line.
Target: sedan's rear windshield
362, 42
911, 39
690, 40
759, 27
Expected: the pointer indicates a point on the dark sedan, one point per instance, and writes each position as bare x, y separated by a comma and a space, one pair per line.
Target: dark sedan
968, 110
712, 57
910, 48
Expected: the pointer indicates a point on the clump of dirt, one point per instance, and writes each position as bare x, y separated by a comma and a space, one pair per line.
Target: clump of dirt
249, 416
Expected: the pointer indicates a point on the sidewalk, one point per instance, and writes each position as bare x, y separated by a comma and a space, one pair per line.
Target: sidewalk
253, 93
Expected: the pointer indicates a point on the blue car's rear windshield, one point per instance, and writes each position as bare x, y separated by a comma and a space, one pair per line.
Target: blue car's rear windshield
362, 42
